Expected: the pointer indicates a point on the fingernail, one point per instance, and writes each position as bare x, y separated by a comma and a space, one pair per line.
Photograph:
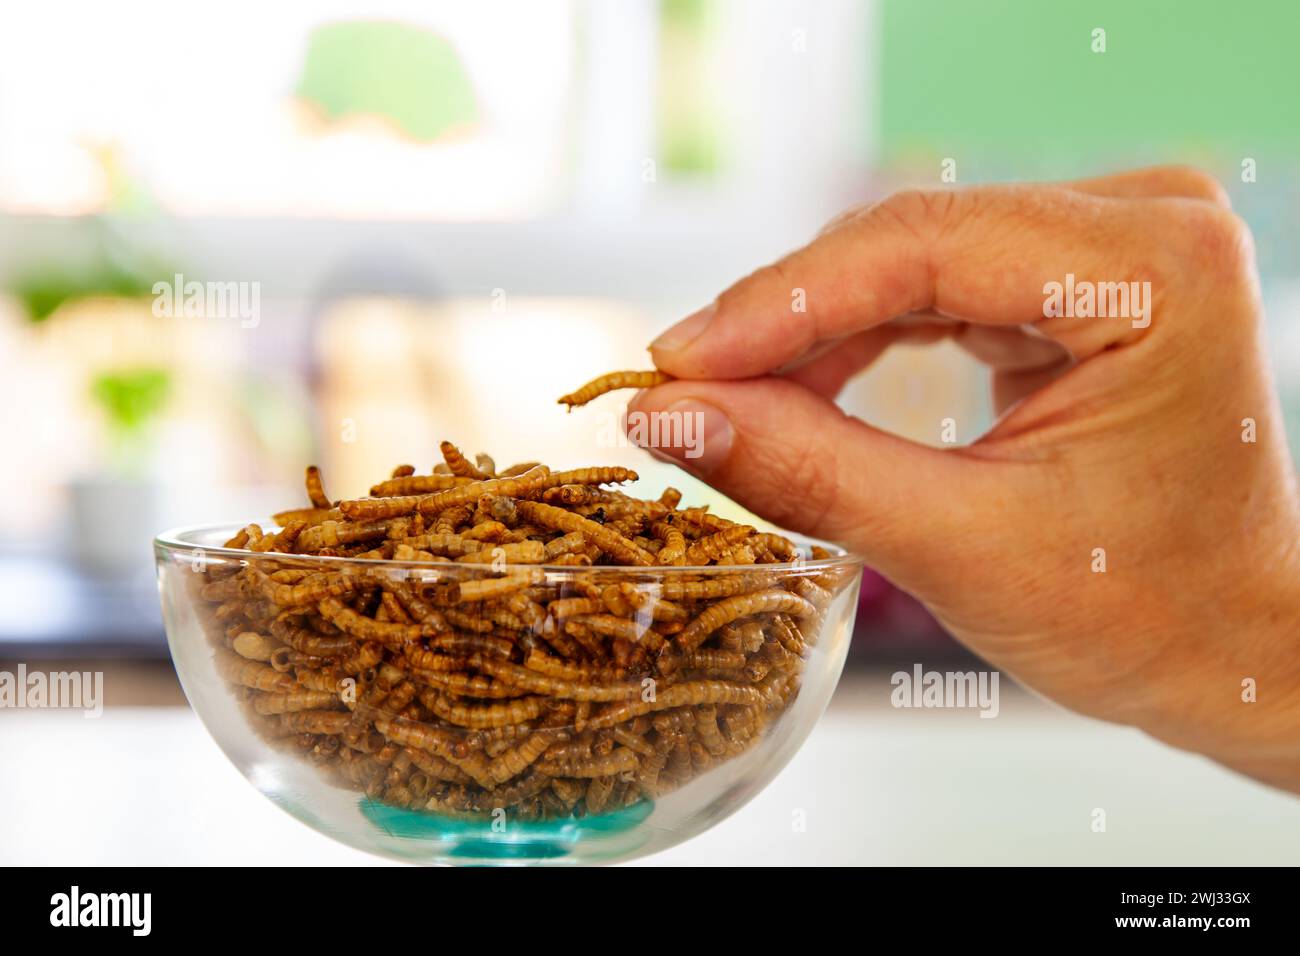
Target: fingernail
688, 432
686, 331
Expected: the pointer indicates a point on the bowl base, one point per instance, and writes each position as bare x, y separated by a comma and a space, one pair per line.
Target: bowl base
469, 840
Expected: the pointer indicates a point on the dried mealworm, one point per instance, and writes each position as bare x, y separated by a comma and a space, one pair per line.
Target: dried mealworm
473, 685
572, 495
458, 464
471, 643
781, 547
741, 554
289, 575
222, 590
512, 487
613, 626
598, 475
315, 721
312, 516
287, 539
788, 635
529, 785
446, 544
567, 544
468, 619
631, 741
569, 791
436, 767
392, 610
479, 716
620, 760
714, 546
448, 521
573, 560
729, 609
543, 663
424, 737
488, 532
615, 544
674, 549
500, 507
368, 629
330, 534
706, 729
679, 695
611, 381
315, 490
487, 589
598, 794
237, 670
562, 608
254, 646
518, 759
529, 612
520, 552
813, 593
710, 658
701, 519
309, 642
591, 644
400, 486
268, 704
376, 509
539, 683
308, 591
713, 586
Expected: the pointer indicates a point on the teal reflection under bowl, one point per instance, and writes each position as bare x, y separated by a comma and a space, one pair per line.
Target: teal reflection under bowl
488, 840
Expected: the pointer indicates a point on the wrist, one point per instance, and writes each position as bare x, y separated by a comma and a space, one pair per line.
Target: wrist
1237, 697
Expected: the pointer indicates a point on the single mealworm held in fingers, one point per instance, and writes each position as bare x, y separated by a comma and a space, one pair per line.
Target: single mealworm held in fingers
610, 382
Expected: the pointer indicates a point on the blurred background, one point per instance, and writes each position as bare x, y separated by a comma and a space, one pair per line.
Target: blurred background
441, 216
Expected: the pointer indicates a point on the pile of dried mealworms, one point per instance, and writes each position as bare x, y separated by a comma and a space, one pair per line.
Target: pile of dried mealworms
449, 671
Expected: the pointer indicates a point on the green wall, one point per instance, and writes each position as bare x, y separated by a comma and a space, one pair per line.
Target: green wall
1016, 81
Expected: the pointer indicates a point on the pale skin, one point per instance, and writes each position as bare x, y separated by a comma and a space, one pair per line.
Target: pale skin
1129, 440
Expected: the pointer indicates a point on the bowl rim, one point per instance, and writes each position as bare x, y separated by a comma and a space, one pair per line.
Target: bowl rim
172, 541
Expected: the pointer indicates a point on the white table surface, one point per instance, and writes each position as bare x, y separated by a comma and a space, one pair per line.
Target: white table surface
875, 785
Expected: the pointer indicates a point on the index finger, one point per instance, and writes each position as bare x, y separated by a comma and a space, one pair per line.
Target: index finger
982, 255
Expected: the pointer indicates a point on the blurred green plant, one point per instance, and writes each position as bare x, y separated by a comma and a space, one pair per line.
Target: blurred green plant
113, 267
688, 119
43, 290
131, 400
107, 266
407, 75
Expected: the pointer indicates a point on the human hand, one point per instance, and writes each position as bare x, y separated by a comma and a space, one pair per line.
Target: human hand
1123, 433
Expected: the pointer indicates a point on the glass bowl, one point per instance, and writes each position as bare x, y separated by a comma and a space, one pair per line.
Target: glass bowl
489, 736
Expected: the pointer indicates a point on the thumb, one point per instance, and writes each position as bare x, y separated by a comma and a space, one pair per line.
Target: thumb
794, 458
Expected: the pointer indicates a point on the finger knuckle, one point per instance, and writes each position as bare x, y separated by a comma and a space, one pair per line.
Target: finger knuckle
1216, 242
919, 211
1196, 183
